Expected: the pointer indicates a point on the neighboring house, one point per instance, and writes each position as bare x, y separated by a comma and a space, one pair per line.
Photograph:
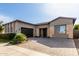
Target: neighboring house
59, 27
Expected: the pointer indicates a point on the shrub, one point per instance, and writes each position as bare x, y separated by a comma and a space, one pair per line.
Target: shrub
76, 27
7, 37
19, 38
14, 41
1, 26
11, 36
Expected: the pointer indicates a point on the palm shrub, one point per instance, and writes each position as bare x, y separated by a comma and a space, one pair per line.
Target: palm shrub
19, 38
1, 26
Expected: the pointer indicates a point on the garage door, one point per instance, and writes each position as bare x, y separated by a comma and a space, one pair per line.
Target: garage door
27, 31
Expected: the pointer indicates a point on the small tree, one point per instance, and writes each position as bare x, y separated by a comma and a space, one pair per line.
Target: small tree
76, 27
1, 26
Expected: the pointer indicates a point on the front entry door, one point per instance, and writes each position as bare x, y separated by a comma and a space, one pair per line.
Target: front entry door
43, 32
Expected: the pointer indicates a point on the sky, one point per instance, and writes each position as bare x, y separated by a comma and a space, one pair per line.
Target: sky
37, 12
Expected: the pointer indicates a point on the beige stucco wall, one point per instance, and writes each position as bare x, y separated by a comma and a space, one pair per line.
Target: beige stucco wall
69, 28
18, 26
50, 27
9, 28
5, 28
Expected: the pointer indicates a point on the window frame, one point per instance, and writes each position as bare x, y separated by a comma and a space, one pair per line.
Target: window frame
59, 28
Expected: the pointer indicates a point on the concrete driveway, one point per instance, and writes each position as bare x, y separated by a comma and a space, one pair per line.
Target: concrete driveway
52, 46
17, 51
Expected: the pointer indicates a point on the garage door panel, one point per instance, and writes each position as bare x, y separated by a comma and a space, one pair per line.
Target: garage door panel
27, 31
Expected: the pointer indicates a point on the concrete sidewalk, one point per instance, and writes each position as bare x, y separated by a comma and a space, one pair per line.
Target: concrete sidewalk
18, 51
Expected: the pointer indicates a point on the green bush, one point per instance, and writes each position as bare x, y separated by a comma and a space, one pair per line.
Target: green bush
14, 41
7, 37
11, 36
19, 38
76, 27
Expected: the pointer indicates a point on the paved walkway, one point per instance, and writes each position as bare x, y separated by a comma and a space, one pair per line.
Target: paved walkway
18, 51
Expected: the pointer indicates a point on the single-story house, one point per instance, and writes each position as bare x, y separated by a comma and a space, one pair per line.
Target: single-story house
59, 27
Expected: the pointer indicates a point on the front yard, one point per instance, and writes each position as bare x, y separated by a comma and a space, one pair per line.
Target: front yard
45, 46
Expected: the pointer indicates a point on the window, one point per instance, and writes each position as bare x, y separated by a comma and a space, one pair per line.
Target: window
60, 29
